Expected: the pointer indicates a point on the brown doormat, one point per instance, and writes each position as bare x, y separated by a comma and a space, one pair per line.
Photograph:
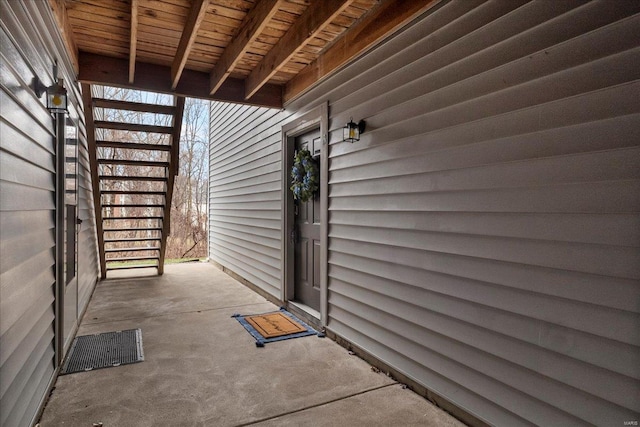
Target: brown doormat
273, 325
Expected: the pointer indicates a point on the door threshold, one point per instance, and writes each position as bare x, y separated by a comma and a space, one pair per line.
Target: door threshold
311, 315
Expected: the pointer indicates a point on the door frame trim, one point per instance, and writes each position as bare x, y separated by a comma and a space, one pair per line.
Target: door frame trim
317, 117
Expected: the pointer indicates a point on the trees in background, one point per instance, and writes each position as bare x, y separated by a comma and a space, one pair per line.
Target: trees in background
188, 236
189, 211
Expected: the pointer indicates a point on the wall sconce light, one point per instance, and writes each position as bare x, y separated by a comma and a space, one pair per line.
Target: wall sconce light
351, 132
56, 95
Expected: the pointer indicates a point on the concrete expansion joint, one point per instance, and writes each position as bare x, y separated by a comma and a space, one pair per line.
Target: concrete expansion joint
348, 396
95, 321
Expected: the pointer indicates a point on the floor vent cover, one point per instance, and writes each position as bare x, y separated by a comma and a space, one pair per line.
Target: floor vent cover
104, 350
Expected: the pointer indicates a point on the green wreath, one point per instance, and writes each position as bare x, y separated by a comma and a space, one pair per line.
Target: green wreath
304, 176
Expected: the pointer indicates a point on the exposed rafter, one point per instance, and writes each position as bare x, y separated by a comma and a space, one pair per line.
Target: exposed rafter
312, 22
248, 52
196, 15
133, 40
99, 69
62, 19
388, 17
252, 25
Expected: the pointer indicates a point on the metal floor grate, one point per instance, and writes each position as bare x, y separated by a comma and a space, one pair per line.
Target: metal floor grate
104, 350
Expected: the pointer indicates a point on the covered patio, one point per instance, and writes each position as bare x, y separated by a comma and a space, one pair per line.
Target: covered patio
202, 368
479, 238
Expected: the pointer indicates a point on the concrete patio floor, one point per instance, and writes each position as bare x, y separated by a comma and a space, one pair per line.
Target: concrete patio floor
202, 368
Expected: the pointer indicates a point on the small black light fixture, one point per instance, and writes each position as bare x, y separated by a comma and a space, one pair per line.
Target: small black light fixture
352, 131
56, 95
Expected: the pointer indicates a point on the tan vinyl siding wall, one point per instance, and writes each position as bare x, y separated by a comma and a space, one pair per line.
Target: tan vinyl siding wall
484, 234
27, 212
244, 201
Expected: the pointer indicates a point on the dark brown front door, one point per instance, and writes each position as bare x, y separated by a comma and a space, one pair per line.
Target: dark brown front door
307, 246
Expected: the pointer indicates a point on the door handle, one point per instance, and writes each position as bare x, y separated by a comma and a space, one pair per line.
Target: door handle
293, 236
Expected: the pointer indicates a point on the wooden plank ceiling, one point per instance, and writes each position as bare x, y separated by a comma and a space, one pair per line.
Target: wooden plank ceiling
261, 52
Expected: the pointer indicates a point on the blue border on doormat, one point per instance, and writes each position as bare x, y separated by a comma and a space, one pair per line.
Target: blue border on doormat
261, 341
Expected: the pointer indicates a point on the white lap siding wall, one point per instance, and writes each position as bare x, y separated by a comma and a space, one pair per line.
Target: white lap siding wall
484, 234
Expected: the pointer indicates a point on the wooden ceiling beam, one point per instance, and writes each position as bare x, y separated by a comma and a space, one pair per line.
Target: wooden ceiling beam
104, 70
387, 17
133, 40
252, 25
304, 29
62, 20
196, 16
